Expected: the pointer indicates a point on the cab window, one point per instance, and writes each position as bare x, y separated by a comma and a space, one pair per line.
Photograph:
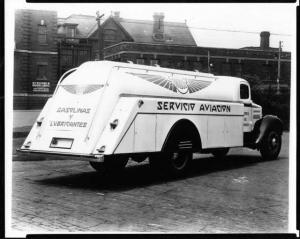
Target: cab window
244, 91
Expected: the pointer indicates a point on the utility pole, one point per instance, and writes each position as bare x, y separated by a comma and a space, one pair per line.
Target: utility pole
278, 72
100, 37
208, 61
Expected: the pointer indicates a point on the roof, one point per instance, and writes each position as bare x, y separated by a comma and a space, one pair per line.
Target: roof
142, 31
85, 23
139, 30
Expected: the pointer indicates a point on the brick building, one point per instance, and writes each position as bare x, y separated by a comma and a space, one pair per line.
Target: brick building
47, 46
156, 31
172, 45
82, 30
74, 43
35, 57
254, 65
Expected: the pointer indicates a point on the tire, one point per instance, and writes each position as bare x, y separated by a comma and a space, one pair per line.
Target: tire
220, 153
270, 145
177, 151
99, 167
155, 162
111, 164
171, 163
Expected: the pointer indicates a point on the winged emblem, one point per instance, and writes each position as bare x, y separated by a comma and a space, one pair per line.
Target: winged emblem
182, 86
81, 89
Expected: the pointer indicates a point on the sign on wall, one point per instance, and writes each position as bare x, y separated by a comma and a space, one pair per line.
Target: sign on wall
41, 86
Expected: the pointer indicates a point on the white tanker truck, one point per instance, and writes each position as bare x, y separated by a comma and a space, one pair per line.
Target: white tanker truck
107, 112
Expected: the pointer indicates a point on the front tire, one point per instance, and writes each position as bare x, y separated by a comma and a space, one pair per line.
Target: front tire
270, 145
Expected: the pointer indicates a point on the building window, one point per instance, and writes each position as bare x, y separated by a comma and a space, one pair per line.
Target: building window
140, 61
71, 32
197, 65
266, 73
164, 63
226, 69
188, 65
41, 72
180, 65
153, 62
66, 59
237, 68
42, 34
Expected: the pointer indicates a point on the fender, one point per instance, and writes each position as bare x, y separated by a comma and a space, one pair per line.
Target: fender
266, 123
181, 130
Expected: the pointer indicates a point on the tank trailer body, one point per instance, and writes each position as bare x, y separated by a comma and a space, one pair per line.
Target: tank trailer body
106, 112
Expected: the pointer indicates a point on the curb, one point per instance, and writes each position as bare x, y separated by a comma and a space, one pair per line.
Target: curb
20, 134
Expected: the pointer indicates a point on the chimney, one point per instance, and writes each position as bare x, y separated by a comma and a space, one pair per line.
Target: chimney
158, 23
117, 15
264, 40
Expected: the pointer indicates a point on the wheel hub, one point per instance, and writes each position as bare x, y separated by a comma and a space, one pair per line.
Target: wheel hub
271, 145
274, 142
179, 160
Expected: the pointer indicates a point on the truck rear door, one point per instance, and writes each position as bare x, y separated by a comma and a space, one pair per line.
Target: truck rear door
66, 126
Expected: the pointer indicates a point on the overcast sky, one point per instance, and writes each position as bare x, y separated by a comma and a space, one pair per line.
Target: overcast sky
276, 18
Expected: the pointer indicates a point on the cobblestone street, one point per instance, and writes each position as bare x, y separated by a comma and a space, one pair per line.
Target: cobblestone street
238, 194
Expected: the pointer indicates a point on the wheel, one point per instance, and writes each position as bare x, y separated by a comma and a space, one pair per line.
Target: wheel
177, 151
111, 164
220, 153
179, 162
155, 161
99, 167
270, 145
173, 163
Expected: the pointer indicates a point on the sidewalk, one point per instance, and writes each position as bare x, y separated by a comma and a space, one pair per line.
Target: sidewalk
23, 121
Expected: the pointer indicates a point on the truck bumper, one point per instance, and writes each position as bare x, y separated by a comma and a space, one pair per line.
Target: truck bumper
83, 157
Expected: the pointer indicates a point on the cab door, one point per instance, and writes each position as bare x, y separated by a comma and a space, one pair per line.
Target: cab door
245, 98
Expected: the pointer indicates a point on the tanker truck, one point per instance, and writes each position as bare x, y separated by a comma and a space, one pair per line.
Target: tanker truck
107, 112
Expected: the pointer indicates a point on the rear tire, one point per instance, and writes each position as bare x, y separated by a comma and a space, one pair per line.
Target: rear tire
177, 151
111, 164
270, 145
172, 163
178, 162
155, 161
99, 167
220, 153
